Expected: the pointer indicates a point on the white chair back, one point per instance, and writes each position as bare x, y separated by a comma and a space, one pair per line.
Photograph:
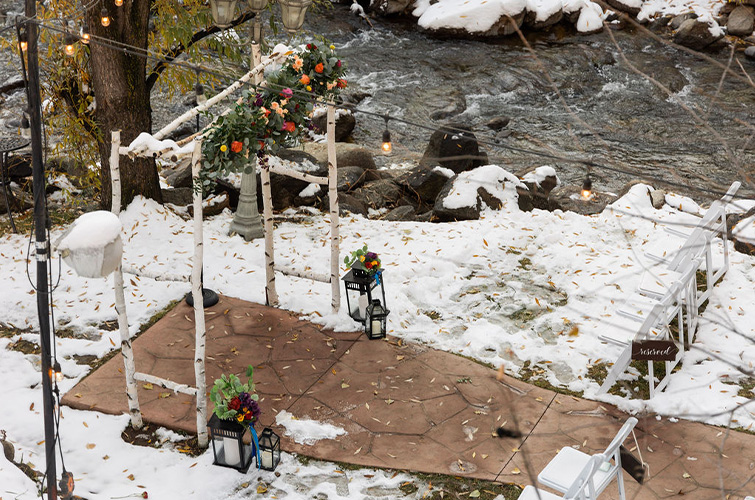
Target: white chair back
583, 486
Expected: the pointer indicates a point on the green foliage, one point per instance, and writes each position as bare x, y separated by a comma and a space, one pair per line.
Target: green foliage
228, 387
363, 259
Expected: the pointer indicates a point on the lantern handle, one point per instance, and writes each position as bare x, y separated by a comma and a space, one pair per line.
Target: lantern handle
256, 442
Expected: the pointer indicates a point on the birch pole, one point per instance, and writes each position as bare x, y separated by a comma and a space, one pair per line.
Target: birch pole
120, 298
196, 292
334, 216
267, 210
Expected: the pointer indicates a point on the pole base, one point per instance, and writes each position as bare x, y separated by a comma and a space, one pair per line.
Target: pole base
209, 298
250, 228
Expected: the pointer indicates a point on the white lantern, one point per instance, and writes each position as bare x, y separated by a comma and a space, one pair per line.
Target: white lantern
92, 245
223, 12
292, 13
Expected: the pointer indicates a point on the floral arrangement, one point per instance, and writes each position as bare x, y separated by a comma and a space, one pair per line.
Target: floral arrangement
364, 260
272, 116
234, 400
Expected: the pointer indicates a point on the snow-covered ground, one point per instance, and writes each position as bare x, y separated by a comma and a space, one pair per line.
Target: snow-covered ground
508, 288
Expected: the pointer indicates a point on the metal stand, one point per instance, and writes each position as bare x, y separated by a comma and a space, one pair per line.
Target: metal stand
209, 297
8, 144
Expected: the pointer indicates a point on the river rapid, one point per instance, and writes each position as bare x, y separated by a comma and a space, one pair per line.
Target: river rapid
567, 95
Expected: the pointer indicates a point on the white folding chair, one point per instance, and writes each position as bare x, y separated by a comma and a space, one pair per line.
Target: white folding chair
568, 461
581, 485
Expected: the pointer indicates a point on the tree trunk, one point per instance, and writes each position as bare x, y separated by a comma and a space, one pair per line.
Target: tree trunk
122, 96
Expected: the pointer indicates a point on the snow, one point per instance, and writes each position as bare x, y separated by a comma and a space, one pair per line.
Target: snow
91, 230
311, 190
474, 16
495, 180
510, 288
540, 174
305, 430
544, 9
745, 230
146, 141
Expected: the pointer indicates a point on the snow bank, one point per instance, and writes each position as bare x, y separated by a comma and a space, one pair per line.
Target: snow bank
305, 430
475, 16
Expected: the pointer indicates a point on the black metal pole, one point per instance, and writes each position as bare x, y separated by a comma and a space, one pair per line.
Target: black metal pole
40, 228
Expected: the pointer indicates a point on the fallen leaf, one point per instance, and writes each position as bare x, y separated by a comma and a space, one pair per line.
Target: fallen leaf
90, 446
131, 477
474, 494
516, 471
148, 386
261, 488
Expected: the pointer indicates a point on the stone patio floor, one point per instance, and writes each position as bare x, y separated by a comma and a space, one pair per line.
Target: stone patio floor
408, 406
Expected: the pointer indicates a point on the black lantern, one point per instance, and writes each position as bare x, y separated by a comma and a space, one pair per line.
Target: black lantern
231, 443
270, 449
374, 325
359, 286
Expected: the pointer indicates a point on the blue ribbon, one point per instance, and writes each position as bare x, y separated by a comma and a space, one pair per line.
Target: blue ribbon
377, 277
256, 442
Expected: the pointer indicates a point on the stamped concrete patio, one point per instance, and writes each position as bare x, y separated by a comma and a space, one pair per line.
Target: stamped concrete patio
407, 406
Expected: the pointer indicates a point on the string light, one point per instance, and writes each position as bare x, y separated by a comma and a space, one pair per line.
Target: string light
104, 17
69, 46
85, 37
587, 188
56, 372
118, 3
23, 40
25, 127
199, 92
387, 146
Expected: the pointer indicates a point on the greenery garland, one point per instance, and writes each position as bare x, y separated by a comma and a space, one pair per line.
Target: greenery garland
274, 116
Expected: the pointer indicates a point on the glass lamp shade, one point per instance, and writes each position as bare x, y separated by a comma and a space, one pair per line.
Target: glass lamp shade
270, 449
223, 12
374, 325
231, 444
292, 13
257, 6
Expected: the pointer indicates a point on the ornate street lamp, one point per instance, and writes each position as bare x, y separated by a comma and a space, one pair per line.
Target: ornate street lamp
223, 12
292, 14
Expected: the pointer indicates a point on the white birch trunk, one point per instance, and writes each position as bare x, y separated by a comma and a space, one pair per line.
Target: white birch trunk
196, 291
290, 172
267, 209
120, 296
334, 216
165, 383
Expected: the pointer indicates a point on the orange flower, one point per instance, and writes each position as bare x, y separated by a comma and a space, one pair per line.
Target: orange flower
341, 83
289, 126
304, 79
236, 146
319, 68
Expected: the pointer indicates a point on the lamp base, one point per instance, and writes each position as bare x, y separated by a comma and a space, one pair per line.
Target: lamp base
209, 298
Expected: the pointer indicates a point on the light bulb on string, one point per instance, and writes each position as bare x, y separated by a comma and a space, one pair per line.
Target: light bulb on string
25, 127
387, 145
69, 45
56, 372
85, 37
104, 17
587, 188
23, 40
199, 92
118, 3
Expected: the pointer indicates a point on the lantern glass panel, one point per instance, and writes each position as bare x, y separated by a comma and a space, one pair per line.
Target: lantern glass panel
270, 449
257, 6
231, 444
375, 324
293, 12
223, 12
359, 287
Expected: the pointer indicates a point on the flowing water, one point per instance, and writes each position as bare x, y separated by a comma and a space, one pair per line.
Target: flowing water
569, 96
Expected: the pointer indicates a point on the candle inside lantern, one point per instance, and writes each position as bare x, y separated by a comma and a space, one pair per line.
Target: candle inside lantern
267, 459
362, 305
231, 449
377, 328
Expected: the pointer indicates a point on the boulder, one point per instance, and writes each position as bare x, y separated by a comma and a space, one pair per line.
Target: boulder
423, 184
450, 103
498, 123
347, 155
345, 123
19, 166
569, 198
388, 7
741, 21
299, 156
658, 198
695, 35
539, 182
17, 199
442, 213
11, 84
488, 182
180, 177
631, 7
401, 213
233, 193
750, 53
349, 178
379, 194
677, 21
69, 167
531, 20
184, 130
504, 26
659, 23
455, 147
349, 203
215, 206
178, 196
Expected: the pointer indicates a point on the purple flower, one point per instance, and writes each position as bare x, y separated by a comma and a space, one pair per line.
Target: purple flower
370, 256
258, 100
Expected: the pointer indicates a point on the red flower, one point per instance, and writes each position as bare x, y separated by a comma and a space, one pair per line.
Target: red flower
262, 144
338, 64
234, 404
236, 146
319, 68
341, 84
144, 494
368, 265
289, 126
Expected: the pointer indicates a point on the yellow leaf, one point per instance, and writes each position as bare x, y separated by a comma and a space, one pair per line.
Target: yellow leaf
164, 395
516, 471
261, 488
90, 446
148, 386
131, 477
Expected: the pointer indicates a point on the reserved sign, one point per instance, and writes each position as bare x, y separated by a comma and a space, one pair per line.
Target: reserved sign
654, 350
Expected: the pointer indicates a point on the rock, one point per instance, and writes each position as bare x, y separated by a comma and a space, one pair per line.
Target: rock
354, 97
183, 131
423, 184
504, 26
213, 209
631, 7
670, 77
285, 190
299, 156
349, 178
180, 177
741, 21
378, 194
569, 198
695, 35
658, 198
8, 450
677, 21
18, 200
345, 123
71, 168
450, 104
233, 193
498, 123
750, 53
490, 180
388, 7
19, 166
402, 213
441, 213
540, 181
726, 8
347, 155
11, 84
530, 20
178, 196
454, 146
349, 203
659, 23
